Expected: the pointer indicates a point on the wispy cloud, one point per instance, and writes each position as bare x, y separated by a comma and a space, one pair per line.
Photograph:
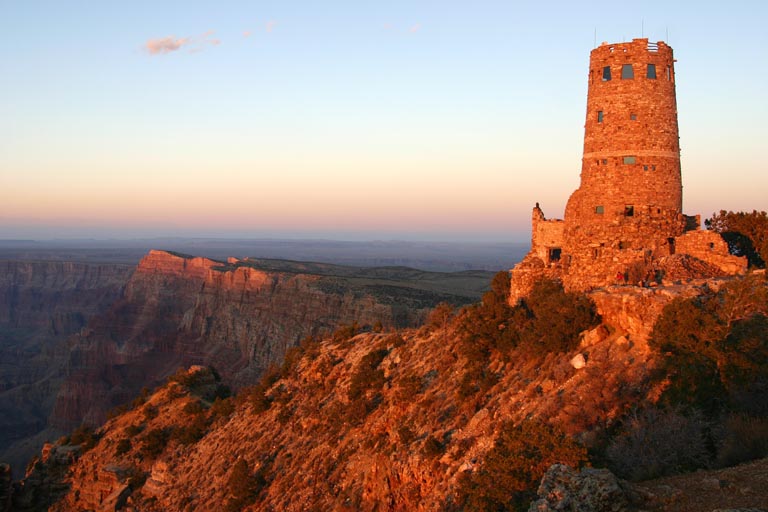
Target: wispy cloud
247, 33
410, 30
270, 25
165, 45
195, 44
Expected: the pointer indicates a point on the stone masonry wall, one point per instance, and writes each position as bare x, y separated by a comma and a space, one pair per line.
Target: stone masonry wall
625, 220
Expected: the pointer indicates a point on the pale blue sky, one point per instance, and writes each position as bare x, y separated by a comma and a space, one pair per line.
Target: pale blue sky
399, 119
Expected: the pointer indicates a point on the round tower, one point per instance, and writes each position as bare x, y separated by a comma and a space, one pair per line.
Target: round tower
629, 202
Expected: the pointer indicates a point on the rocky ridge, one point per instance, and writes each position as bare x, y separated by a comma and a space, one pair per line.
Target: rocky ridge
239, 316
406, 444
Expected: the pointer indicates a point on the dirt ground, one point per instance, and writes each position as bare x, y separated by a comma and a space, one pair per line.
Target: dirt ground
739, 487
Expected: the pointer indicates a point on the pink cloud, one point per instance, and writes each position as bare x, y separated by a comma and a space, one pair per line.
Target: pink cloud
165, 45
247, 33
170, 44
415, 28
270, 25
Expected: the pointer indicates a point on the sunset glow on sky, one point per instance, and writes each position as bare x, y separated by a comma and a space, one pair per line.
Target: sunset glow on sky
387, 120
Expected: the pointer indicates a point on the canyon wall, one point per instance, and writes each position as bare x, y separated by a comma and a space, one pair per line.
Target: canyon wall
239, 316
42, 303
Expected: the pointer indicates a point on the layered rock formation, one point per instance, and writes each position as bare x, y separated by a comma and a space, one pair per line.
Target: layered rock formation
41, 304
239, 316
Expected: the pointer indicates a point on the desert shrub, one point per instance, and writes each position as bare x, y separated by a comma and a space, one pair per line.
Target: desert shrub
142, 398
715, 348
84, 436
656, 442
409, 386
488, 325
194, 407
406, 435
476, 379
440, 317
150, 412
133, 430
191, 432
433, 447
745, 233
154, 442
243, 486
123, 446
744, 438
555, 318
345, 332
189, 380
367, 374
510, 474
222, 408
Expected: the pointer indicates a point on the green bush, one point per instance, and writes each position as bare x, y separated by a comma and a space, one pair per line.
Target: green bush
510, 474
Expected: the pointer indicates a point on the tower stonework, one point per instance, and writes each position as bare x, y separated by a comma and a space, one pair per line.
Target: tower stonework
626, 216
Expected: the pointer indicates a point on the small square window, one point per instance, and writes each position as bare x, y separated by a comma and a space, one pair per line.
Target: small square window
599, 209
624, 245
599, 116
645, 167
653, 167
633, 117
606, 73
629, 211
651, 71
605, 161
627, 73
628, 160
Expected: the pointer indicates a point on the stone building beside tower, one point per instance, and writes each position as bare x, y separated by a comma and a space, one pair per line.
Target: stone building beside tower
624, 224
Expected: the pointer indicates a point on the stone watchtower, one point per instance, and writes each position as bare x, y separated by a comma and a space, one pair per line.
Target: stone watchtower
627, 211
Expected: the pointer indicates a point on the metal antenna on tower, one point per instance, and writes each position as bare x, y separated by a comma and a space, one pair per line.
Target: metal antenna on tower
594, 43
642, 27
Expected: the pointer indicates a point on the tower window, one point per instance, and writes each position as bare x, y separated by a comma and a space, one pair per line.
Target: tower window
645, 167
606, 73
555, 253
599, 116
627, 73
669, 73
629, 211
651, 71
628, 160
633, 117
599, 209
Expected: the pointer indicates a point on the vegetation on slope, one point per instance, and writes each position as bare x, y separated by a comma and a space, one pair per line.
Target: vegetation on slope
465, 413
713, 410
746, 234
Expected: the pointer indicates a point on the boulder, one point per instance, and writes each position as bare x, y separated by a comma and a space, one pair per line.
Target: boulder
589, 490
